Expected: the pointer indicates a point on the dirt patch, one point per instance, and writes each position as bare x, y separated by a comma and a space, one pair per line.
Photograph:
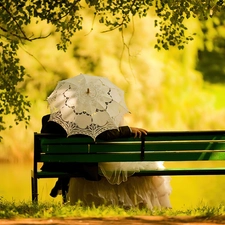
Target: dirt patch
153, 220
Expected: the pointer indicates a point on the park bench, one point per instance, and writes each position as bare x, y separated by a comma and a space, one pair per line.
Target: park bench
173, 146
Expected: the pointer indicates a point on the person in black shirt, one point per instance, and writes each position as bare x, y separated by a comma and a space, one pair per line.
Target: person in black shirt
88, 170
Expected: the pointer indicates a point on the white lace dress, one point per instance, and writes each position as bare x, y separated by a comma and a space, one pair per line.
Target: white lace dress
119, 187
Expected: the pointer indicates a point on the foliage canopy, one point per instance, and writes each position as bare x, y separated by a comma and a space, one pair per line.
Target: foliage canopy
66, 17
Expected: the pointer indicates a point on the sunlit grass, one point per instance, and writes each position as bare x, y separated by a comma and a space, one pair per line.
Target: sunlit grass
10, 209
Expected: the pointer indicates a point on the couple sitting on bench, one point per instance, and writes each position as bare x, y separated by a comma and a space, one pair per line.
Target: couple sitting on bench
117, 186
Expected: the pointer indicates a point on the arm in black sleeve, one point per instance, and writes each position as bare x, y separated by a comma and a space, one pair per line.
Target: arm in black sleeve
121, 132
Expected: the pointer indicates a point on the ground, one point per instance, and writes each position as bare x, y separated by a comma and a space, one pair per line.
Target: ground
152, 220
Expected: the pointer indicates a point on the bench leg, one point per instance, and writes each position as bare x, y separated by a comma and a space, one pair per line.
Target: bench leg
34, 189
64, 191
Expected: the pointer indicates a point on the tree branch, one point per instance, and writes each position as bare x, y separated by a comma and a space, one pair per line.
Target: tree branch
24, 36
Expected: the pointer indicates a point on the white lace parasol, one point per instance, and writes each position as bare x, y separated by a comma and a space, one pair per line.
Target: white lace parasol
87, 105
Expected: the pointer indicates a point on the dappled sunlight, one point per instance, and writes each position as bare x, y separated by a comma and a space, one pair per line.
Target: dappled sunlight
163, 91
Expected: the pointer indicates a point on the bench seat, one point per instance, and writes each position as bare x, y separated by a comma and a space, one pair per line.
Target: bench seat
167, 146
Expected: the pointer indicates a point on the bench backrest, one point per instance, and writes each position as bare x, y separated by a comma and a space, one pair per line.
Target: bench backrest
156, 146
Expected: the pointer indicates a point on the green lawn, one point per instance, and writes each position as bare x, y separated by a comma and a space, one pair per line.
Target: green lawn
10, 209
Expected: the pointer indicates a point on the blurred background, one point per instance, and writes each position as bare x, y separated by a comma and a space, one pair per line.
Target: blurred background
164, 90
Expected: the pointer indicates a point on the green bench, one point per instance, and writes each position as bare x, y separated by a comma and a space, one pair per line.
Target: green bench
173, 146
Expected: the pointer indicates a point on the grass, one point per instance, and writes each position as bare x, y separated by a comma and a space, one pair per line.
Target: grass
16, 210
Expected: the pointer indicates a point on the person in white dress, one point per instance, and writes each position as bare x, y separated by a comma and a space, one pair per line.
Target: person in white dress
118, 187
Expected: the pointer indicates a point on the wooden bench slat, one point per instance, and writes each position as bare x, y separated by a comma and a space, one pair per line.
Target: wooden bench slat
168, 172
94, 148
126, 157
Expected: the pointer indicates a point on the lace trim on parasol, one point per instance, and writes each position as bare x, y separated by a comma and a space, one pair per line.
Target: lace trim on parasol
93, 130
